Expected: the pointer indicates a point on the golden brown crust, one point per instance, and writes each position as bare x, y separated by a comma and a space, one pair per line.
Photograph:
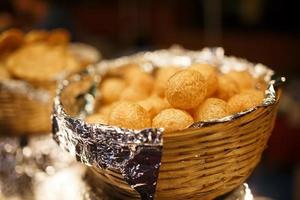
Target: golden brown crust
129, 115
172, 120
211, 108
186, 89
10, 40
227, 87
161, 79
41, 62
96, 119
245, 100
111, 89
210, 75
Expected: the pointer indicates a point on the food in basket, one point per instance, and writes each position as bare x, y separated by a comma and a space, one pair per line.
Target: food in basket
41, 62
30, 66
111, 89
174, 98
172, 120
211, 108
38, 55
245, 100
129, 115
210, 75
186, 89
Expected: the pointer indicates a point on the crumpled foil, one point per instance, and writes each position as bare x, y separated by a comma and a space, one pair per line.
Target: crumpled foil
137, 153
35, 168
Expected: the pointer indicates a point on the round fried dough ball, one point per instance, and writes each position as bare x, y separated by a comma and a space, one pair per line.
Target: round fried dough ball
137, 77
106, 109
133, 94
210, 75
243, 79
245, 100
172, 120
4, 74
211, 108
36, 36
154, 105
96, 119
111, 89
186, 89
227, 87
129, 115
10, 40
161, 79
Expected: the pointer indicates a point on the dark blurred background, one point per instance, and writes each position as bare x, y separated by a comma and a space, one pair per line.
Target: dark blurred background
264, 31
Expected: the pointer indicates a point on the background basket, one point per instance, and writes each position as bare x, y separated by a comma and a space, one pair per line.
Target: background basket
202, 163
25, 108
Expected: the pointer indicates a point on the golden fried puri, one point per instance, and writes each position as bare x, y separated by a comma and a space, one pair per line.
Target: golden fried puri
245, 100
129, 115
161, 79
227, 87
211, 108
210, 75
243, 79
186, 89
133, 94
41, 62
153, 105
172, 120
96, 119
111, 89
10, 40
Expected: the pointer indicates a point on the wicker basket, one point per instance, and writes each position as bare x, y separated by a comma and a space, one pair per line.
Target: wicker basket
203, 163
197, 163
25, 108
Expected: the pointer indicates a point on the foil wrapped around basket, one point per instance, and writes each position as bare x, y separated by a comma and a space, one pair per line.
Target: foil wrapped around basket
214, 163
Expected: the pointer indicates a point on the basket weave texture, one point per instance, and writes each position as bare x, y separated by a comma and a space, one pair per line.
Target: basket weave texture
203, 163
21, 114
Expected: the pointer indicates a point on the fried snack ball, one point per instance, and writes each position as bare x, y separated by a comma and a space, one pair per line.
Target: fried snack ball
4, 74
227, 87
59, 36
36, 36
153, 105
161, 79
41, 62
210, 75
243, 79
10, 40
211, 108
133, 94
129, 115
111, 89
106, 109
186, 89
137, 77
96, 119
245, 100
172, 120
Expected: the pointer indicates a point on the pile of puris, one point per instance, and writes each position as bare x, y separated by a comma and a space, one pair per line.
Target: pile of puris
174, 98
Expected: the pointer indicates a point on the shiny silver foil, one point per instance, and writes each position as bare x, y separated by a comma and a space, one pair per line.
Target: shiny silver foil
36, 169
137, 153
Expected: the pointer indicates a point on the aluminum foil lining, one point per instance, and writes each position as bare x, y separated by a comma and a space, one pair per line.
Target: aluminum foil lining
35, 168
80, 50
137, 153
